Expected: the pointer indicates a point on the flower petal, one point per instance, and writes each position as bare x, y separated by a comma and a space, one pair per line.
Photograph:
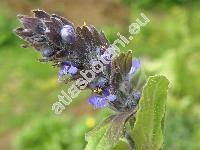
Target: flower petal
97, 101
72, 70
135, 66
65, 69
111, 97
102, 82
99, 83
47, 52
106, 92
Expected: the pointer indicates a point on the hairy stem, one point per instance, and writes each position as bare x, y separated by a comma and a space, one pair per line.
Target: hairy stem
130, 141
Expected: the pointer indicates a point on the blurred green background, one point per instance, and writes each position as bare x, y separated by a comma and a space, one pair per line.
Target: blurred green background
169, 44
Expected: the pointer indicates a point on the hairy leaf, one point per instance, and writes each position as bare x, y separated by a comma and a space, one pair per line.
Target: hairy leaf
148, 128
107, 134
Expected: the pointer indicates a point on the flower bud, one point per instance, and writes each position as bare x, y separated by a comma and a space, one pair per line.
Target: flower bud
137, 95
47, 52
67, 34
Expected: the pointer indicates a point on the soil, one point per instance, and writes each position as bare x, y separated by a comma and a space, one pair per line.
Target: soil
96, 12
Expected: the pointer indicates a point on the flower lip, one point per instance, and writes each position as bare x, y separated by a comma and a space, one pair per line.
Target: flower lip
100, 101
111, 97
100, 83
98, 50
97, 101
66, 68
106, 56
72, 70
103, 82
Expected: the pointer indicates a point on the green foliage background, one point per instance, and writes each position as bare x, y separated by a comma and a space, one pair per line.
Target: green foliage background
168, 45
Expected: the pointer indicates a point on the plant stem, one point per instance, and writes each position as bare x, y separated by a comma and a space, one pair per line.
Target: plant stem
130, 141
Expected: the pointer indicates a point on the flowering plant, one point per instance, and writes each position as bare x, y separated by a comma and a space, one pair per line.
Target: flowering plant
117, 80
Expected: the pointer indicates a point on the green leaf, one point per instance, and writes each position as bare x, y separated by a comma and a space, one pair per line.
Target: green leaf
148, 128
108, 133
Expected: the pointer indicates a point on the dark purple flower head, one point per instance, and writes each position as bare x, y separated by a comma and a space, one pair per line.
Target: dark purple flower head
74, 49
58, 40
